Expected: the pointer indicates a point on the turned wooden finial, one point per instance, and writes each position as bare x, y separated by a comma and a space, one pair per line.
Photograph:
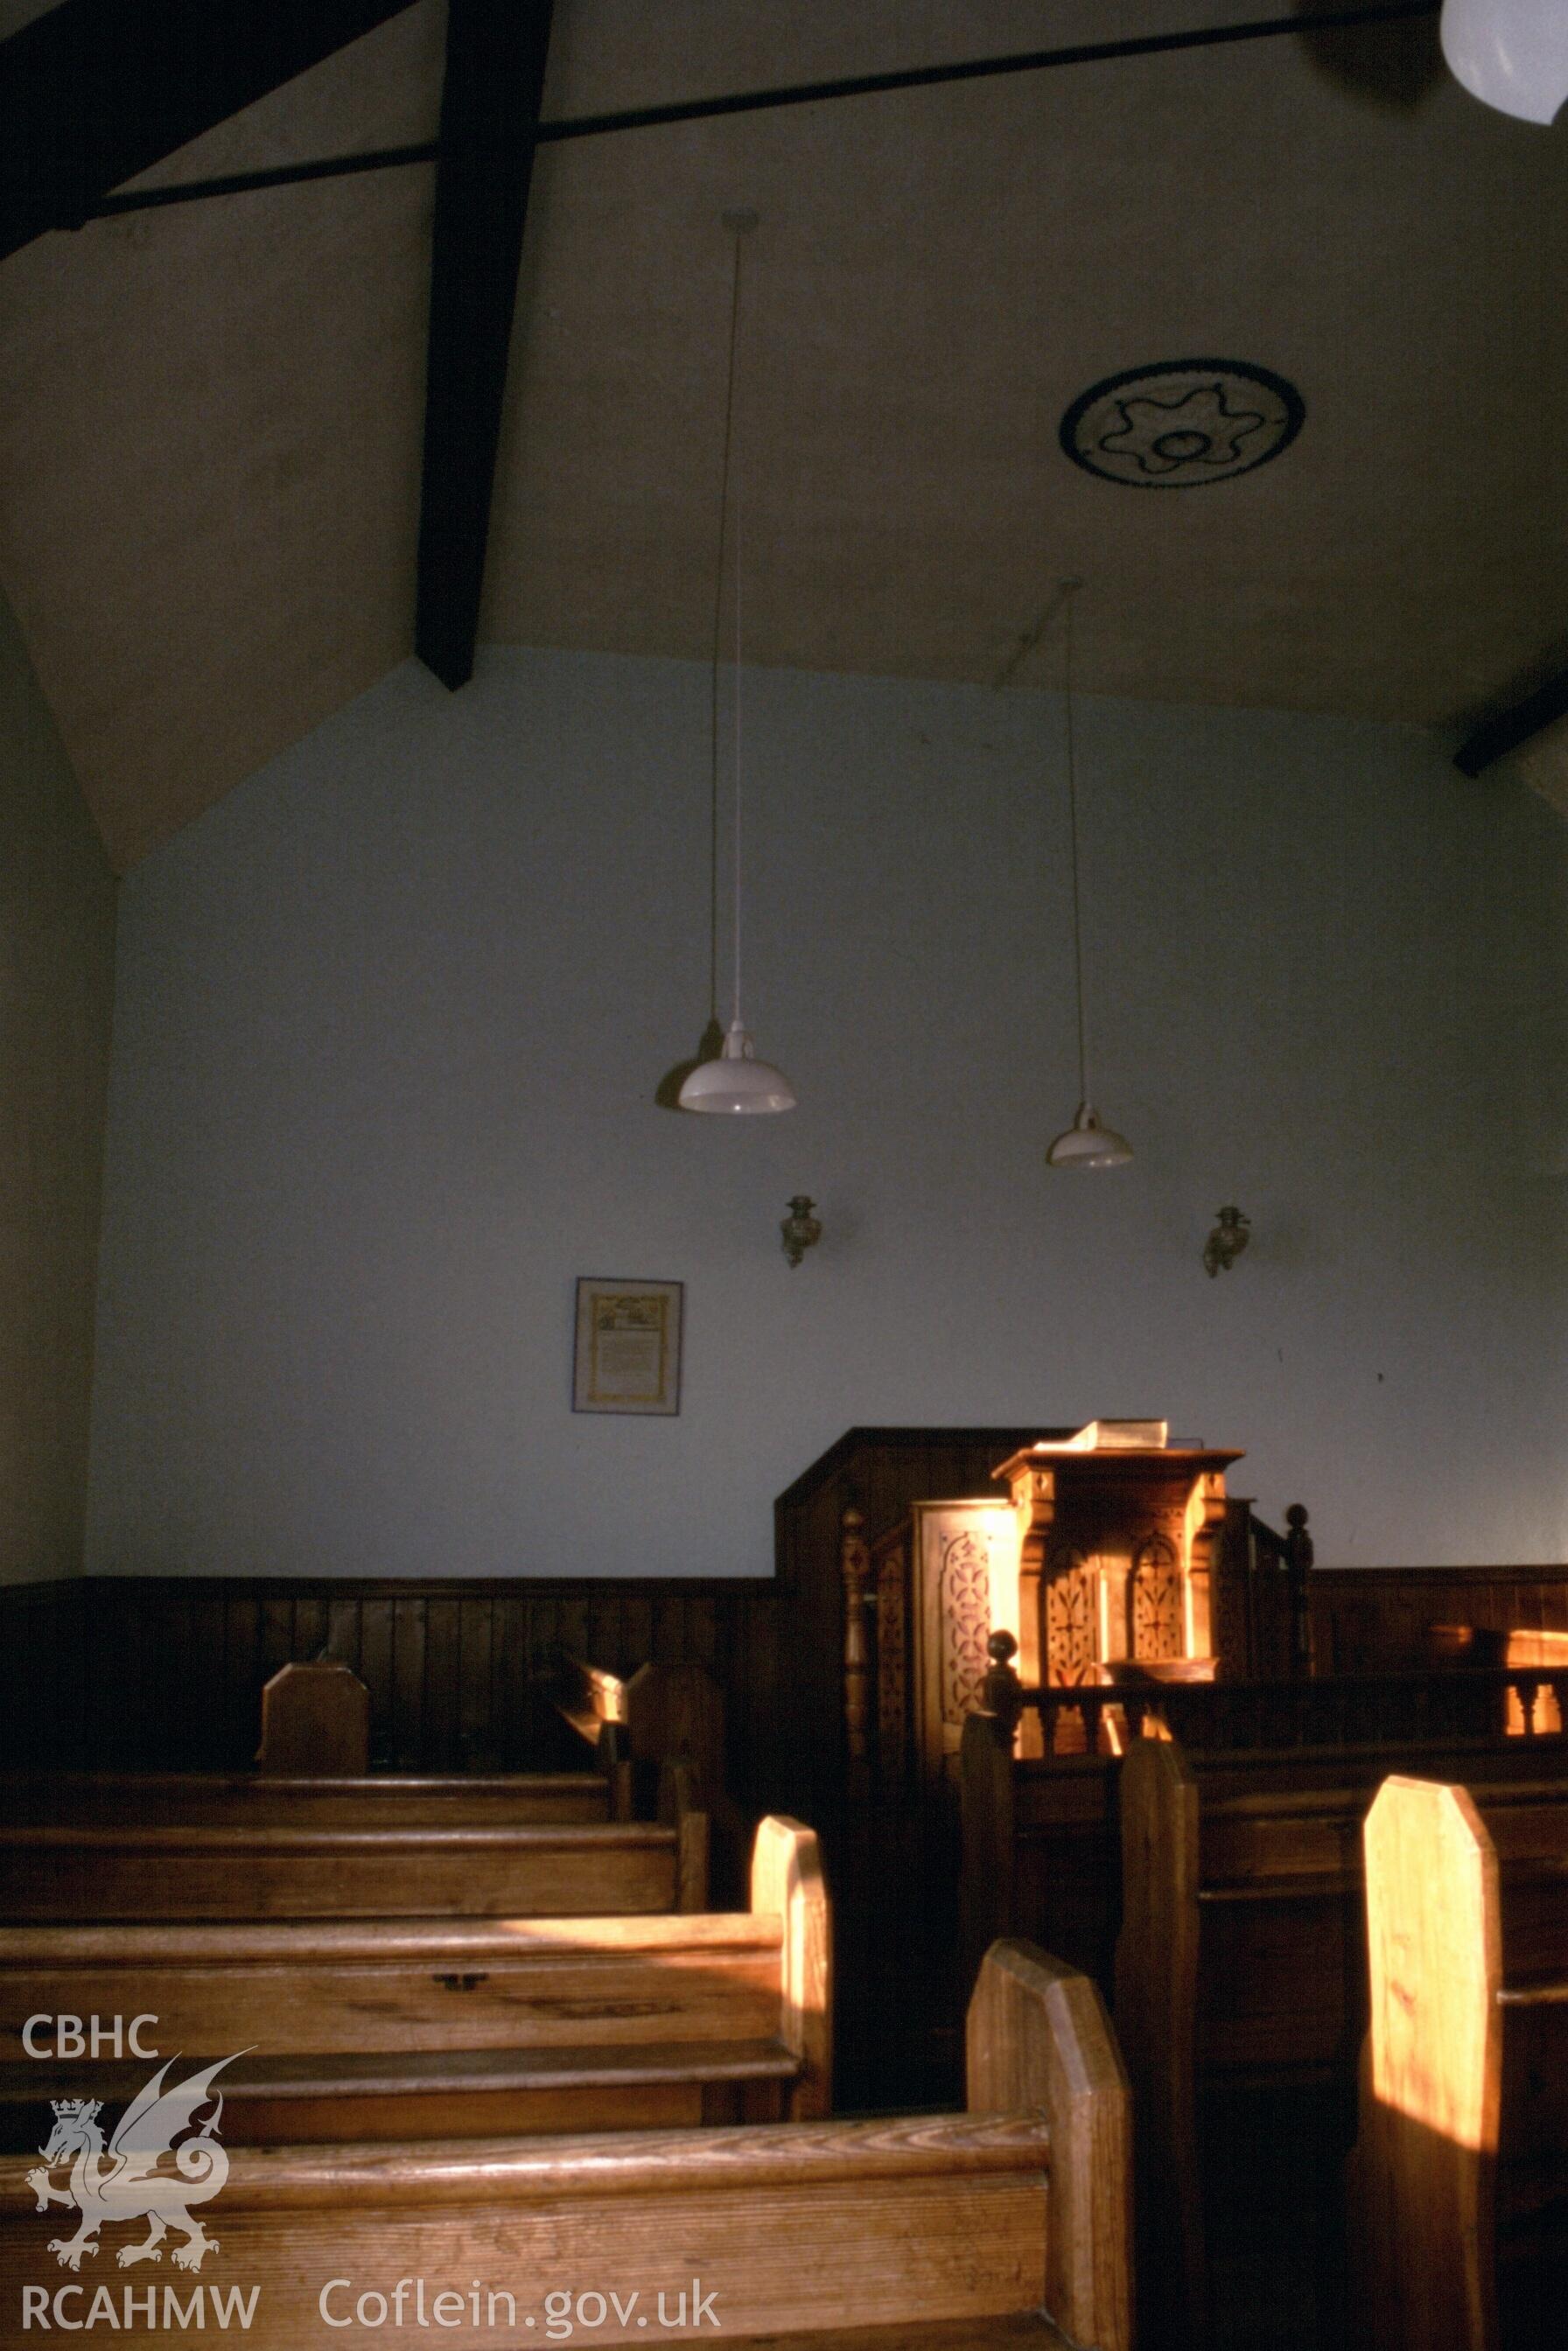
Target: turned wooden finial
1001, 1691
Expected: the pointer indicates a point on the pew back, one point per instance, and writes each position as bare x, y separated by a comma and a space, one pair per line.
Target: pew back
169, 1848
414, 1984
1463, 2153
181, 1873
315, 1718
236, 1799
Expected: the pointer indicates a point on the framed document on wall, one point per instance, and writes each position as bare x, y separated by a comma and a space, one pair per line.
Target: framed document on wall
628, 1356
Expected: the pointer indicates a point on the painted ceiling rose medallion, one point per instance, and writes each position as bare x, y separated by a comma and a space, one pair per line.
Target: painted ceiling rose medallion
1182, 423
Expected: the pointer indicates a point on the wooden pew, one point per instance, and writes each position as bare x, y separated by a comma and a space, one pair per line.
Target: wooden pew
1039, 1850
1461, 2165
397, 2028
1040, 1834
315, 1722
1240, 1973
668, 1713
639, 1724
315, 1718
591, 1703
168, 1848
1482, 1647
661, 1714
946, 2232
1528, 1647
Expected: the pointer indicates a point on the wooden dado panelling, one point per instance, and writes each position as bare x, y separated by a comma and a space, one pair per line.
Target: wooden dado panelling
165, 1672
44, 1702
148, 1672
1374, 1620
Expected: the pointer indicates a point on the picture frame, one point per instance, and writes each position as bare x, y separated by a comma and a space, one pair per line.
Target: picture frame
627, 1355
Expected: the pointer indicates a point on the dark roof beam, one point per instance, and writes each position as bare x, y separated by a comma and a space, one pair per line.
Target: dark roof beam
95, 92
1510, 728
489, 113
1370, 16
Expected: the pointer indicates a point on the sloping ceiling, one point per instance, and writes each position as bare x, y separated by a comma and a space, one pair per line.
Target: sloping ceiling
210, 415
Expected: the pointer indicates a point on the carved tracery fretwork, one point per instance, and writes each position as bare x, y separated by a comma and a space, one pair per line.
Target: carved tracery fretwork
966, 1607
1156, 1601
1070, 1618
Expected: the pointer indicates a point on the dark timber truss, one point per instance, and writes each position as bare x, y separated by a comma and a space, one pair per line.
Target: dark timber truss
95, 92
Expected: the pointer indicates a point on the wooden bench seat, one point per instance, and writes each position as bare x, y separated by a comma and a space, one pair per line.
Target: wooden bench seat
797, 2228
1461, 2164
411, 2027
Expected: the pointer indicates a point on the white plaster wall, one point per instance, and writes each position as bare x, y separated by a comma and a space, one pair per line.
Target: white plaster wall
389, 1021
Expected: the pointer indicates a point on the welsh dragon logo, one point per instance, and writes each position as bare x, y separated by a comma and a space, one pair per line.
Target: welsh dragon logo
123, 2181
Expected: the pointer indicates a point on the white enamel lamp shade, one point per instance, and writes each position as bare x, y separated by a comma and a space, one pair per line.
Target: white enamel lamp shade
1510, 54
735, 1083
1087, 1143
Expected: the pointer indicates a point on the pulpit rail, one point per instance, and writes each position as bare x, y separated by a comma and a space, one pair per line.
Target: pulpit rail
1344, 1712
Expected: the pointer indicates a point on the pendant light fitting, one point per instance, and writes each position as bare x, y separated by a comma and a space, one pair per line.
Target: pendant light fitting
1510, 54
735, 1082
1085, 1144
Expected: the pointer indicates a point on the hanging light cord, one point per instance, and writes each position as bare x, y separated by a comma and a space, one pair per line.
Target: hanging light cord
736, 1008
718, 637
1069, 588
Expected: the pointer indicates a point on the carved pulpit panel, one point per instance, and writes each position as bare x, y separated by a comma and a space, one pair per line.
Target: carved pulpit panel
963, 1600
1156, 1595
966, 1580
1072, 1646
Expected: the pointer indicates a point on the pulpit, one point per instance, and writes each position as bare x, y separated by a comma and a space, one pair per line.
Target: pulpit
901, 1556
1119, 1541
1107, 1564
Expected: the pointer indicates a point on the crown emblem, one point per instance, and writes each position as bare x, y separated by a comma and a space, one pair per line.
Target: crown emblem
78, 2110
